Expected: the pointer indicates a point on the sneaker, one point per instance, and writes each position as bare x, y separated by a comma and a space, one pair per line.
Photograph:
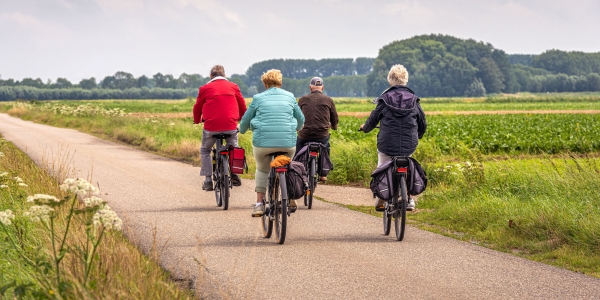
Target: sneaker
235, 180
411, 204
207, 185
259, 210
379, 204
293, 206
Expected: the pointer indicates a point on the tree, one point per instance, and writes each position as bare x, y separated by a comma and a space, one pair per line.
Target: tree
88, 84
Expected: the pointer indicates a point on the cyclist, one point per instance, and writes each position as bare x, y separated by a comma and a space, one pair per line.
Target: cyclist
220, 105
320, 113
274, 117
402, 121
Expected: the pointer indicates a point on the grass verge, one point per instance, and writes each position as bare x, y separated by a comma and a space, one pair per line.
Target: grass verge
122, 272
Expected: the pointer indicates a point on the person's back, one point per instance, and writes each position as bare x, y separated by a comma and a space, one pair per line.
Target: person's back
320, 115
220, 105
401, 119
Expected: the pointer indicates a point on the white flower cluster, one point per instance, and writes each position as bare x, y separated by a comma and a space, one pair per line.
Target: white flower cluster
1, 154
38, 213
43, 199
18, 179
6, 217
84, 110
107, 218
3, 186
24, 105
3, 174
93, 201
78, 186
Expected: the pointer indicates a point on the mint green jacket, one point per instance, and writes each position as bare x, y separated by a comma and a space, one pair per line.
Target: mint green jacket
274, 117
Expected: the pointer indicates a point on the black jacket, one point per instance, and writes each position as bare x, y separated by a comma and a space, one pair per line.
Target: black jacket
402, 121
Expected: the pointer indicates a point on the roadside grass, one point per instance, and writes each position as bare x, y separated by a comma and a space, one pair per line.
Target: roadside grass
122, 271
543, 209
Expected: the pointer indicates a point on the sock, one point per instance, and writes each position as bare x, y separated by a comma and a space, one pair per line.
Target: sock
208, 178
258, 203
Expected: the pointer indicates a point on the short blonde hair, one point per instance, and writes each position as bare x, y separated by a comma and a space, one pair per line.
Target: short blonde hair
273, 78
398, 75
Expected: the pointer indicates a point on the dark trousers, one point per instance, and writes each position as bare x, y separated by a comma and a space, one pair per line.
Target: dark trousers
300, 143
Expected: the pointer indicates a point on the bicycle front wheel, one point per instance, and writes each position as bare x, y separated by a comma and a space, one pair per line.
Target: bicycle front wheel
387, 222
400, 213
311, 182
224, 182
216, 183
282, 206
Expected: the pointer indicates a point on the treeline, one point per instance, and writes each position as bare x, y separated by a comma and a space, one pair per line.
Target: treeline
9, 93
441, 65
335, 86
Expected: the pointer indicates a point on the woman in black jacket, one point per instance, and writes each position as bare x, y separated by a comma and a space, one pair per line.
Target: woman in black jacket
401, 120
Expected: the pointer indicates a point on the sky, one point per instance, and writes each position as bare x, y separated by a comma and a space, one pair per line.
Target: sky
77, 39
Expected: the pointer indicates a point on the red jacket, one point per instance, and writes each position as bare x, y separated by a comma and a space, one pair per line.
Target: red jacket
220, 105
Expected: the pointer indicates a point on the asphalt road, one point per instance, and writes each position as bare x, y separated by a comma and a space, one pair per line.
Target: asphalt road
330, 252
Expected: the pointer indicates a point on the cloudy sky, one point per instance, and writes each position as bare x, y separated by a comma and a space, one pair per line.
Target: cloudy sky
79, 39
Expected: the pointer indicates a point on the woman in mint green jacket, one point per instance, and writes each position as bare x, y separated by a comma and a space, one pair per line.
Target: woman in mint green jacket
274, 118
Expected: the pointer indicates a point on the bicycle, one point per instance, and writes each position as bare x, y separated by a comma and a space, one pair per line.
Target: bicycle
395, 208
313, 148
276, 204
221, 172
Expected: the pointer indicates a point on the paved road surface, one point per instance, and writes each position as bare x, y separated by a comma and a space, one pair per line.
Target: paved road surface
330, 252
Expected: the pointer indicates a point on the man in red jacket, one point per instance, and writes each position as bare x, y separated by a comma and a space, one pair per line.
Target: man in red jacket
220, 106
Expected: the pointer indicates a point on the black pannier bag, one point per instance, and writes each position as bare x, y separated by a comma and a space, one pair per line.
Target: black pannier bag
417, 182
381, 181
296, 180
324, 162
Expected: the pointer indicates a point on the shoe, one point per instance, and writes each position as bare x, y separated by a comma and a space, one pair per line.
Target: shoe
258, 210
323, 178
293, 206
208, 185
411, 204
379, 204
235, 180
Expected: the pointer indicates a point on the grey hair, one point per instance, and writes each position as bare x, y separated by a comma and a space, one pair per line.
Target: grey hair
398, 75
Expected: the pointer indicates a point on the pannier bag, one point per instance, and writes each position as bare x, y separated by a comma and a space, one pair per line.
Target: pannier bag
417, 182
381, 181
296, 180
324, 164
237, 160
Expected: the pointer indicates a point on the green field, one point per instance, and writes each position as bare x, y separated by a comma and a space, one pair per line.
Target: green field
538, 173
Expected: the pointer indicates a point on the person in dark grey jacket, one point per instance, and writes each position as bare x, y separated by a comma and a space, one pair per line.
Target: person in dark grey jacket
401, 120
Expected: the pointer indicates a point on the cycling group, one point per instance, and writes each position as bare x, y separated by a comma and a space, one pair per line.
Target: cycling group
282, 126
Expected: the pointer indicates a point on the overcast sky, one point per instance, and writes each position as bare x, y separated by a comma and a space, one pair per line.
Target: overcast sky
79, 39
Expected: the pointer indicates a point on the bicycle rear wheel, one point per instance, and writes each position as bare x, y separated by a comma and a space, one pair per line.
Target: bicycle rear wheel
281, 204
224, 181
311, 182
400, 214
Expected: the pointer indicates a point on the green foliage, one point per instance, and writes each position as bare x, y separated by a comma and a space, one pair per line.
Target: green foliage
569, 63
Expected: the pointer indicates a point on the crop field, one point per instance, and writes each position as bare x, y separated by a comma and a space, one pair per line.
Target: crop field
539, 171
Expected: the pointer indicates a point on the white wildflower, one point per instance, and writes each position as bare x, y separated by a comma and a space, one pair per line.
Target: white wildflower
42, 199
468, 164
1, 154
92, 201
3, 186
154, 121
6, 217
22, 184
78, 186
107, 218
18, 179
3, 174
38, 213
171, 124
